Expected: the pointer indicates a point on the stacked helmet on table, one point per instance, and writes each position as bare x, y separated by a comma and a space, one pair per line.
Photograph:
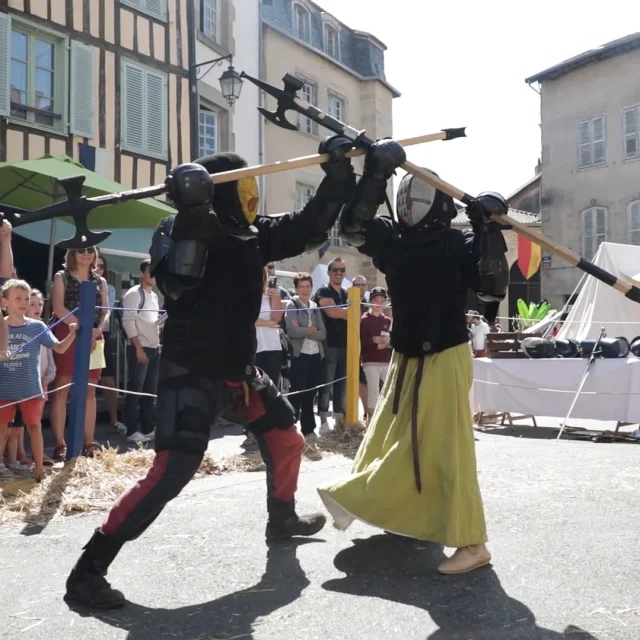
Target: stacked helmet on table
537, 348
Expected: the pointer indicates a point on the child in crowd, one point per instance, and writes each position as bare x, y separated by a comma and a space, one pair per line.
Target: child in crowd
4, 337
16, 458
26, 337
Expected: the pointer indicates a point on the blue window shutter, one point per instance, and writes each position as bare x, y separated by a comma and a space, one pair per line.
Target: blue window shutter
132, 117
156, 114
82, 108
5, 56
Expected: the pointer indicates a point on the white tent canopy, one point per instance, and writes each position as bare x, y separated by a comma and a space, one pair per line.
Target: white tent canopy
599, 305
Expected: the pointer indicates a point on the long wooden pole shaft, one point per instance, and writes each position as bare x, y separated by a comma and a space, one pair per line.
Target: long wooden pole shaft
316, 158
622, 283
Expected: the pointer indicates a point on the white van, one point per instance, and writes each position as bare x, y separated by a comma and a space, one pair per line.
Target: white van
285, 279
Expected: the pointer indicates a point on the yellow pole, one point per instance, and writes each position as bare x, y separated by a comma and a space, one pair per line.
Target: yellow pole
353, 356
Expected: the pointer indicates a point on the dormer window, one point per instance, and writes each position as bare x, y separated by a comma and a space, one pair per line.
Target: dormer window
332, 41
301, 22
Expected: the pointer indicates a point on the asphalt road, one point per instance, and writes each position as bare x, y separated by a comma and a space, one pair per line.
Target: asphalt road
563, 526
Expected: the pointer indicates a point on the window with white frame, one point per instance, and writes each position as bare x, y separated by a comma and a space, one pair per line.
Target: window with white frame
594, 230
301, 22
592, 142
633, 223
154, 8
304, 193
332, 41
36, 75
336, 107
210, 18
144, 123
630, 131
308, 93
209, 133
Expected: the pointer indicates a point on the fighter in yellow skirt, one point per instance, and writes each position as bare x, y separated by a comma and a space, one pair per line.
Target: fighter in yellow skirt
415, 473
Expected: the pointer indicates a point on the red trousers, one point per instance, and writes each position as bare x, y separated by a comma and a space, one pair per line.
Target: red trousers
139, 506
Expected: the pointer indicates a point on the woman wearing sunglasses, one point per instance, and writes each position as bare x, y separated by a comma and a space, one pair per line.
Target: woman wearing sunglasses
108, 377
79, 266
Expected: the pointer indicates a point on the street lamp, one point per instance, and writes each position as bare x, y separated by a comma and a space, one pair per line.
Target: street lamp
231, 85
230, 80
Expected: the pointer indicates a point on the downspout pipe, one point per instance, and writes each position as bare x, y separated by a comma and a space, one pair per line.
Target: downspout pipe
194, 111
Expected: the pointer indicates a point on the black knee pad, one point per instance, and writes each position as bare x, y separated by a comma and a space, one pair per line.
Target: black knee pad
187, 407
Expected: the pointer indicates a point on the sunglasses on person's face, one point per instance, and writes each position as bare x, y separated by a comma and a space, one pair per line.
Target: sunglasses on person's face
338, 269
100, 266
89, 250
271, 266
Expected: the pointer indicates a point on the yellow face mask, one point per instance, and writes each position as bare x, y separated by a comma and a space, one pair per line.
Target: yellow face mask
249, 198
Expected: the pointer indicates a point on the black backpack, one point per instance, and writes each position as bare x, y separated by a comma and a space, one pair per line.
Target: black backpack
117, 313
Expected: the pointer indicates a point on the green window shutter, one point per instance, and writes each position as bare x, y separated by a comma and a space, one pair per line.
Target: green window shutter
156, 114
136, 4
82, 108
132, 117
5, 57
156, 8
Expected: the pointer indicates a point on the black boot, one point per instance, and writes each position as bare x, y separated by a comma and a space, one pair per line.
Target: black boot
285, 523
87, 584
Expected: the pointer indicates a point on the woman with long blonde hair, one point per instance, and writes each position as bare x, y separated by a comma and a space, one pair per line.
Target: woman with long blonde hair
79, 266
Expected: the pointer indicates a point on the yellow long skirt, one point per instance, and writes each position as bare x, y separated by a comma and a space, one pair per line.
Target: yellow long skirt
381, 490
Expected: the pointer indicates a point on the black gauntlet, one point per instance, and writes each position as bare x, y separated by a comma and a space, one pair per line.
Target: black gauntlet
382, 159
490, 247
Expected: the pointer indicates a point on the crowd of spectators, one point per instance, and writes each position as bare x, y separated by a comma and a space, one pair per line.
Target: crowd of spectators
37, 361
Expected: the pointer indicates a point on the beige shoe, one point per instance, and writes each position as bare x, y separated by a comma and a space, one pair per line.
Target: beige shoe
466, 559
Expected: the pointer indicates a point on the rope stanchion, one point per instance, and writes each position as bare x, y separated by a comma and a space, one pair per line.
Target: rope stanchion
82, 357
353, 356
39, 395
326, 384
124, 391
153, 395
162, 311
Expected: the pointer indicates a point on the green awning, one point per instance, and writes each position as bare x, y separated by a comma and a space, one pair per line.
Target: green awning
32, 184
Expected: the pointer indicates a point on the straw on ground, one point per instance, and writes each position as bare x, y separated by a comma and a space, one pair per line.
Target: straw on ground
93, 484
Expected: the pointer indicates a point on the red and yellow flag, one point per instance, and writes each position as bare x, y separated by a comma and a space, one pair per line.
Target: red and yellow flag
529, 257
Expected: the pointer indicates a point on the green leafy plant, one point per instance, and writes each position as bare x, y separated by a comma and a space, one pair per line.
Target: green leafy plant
532, 313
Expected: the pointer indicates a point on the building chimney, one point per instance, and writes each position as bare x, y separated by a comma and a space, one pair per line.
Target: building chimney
538, 168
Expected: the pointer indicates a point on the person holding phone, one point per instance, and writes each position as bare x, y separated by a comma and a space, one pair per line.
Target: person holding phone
269, 351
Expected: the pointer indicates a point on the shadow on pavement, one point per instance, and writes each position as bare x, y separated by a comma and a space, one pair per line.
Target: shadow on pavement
463, 607
520, 431
37, 523
231, 616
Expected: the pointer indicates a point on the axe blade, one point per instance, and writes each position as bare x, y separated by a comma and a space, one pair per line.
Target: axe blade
80, 241
278, 118
285, 99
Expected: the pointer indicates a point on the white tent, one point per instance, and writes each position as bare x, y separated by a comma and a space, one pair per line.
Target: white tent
599, 305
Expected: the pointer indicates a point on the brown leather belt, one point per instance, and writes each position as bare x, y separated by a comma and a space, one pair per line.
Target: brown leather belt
414, 412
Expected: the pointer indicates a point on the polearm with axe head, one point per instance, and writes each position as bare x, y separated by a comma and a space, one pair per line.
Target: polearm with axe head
287, 99
79, 207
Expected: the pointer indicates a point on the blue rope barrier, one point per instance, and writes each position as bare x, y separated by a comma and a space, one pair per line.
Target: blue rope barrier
331, 306
57, 322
